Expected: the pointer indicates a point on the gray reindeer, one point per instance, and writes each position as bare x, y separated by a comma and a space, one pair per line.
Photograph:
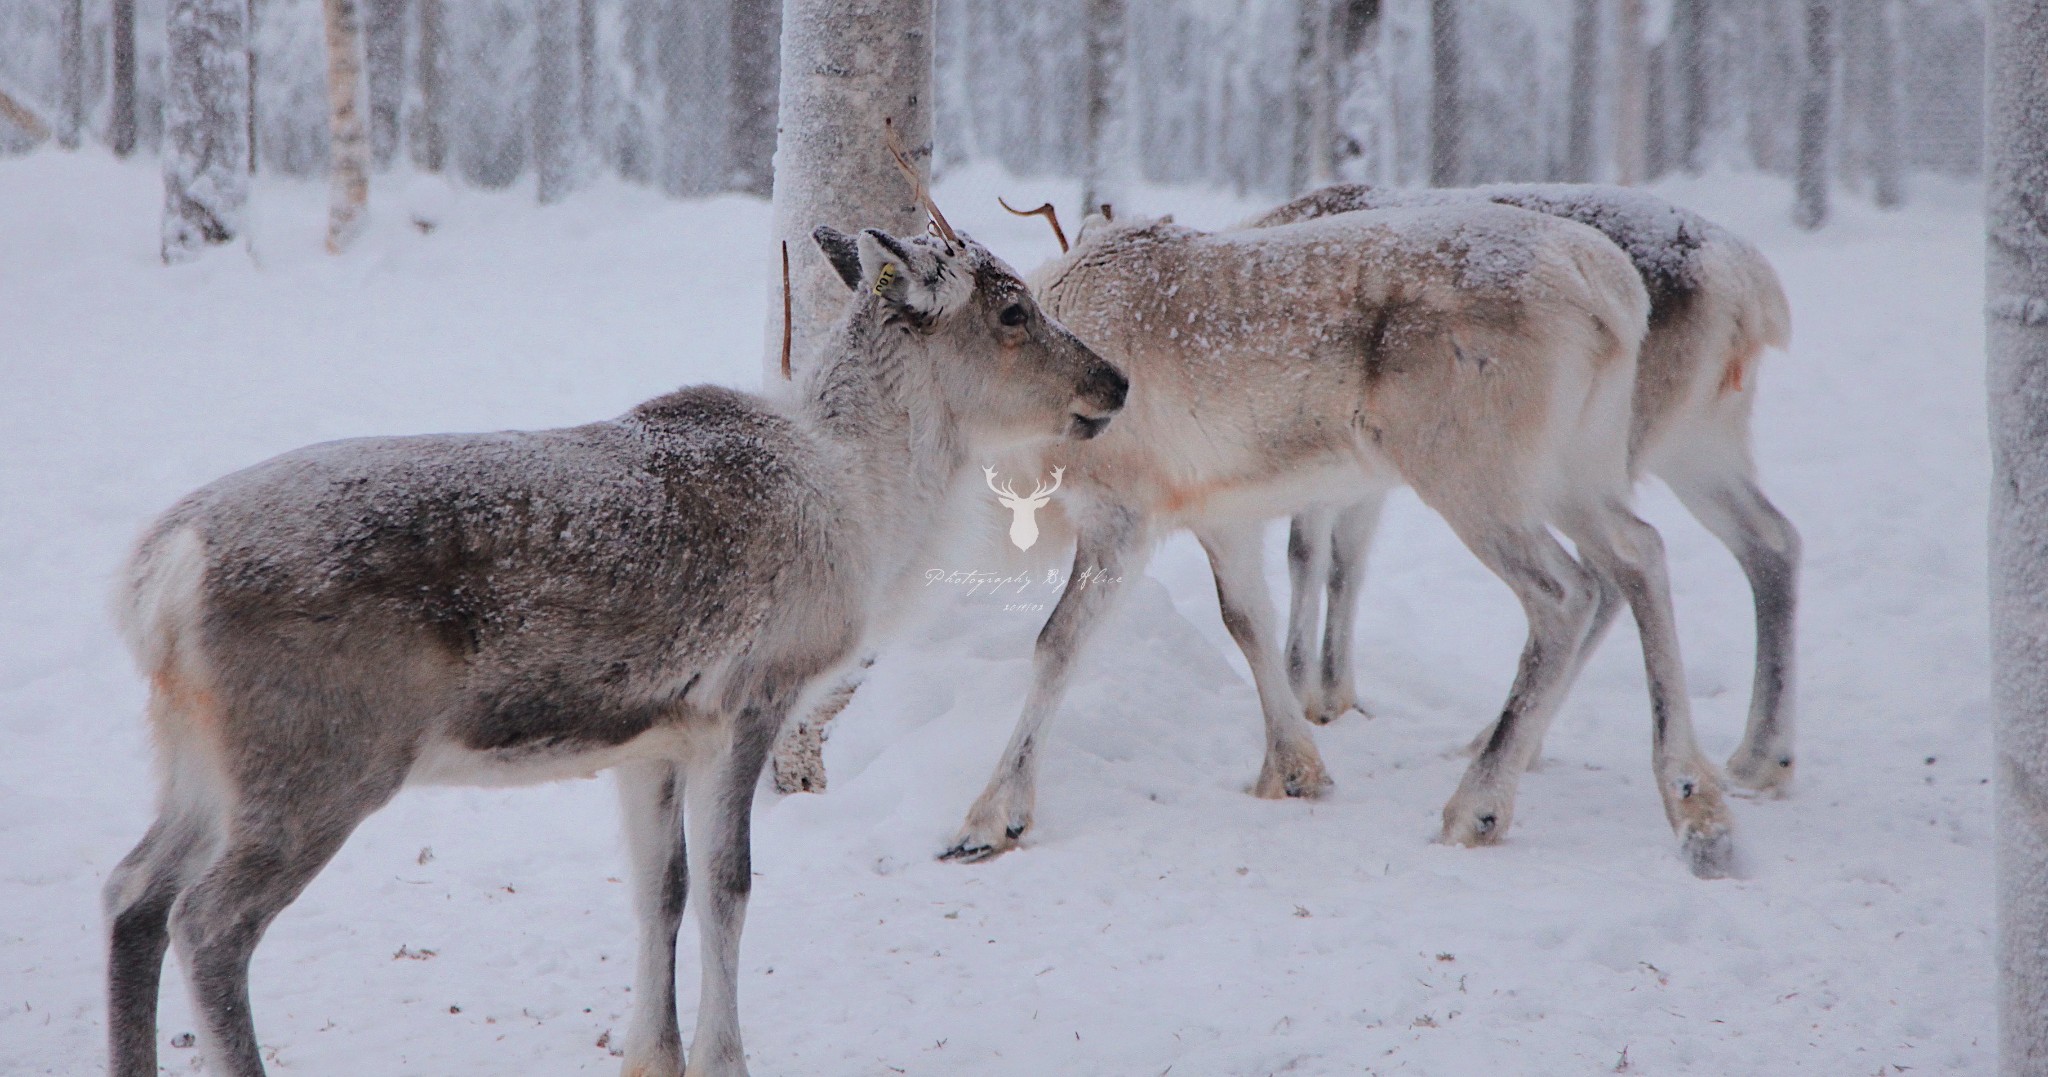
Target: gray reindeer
652, 593
1715, 307
1483, 355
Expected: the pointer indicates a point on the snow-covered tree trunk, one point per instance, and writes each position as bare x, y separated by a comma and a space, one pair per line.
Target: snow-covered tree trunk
1690, 26
1810, 186
121, 111
556, 111
1632, 94
846, 66
1446, 97
750, 140
1315, 97
1579, 153
384, 63
1887, 156
1103, 69
2016, 338
206, 126
348, 146
430, 113
71, 73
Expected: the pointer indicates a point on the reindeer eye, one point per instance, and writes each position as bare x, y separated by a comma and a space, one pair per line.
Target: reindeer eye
1013, 315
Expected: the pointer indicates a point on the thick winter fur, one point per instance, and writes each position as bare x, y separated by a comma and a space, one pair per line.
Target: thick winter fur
1715, 305
1484, 355
654, 592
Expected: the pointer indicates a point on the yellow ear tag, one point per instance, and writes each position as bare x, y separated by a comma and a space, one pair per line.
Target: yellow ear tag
883, 278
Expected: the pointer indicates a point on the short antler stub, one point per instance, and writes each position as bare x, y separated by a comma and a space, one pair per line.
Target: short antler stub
924, 195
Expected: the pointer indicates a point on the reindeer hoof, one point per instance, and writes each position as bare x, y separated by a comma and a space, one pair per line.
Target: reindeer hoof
1767, 773
800, 761
1709, 852
1292, 775
1327, 711
990, 832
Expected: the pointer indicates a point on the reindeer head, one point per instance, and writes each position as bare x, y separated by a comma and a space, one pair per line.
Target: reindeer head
1003, 366
1024, 509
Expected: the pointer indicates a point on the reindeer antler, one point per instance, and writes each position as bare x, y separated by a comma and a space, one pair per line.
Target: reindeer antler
924, 196
1050, 214
1047, 491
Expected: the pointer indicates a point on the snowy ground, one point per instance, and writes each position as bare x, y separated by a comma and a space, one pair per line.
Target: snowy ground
1158, 919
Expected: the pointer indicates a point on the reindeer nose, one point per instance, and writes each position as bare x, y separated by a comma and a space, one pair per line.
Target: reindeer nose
1106, 387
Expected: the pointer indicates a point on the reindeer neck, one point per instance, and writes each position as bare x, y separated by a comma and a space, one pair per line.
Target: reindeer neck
869, 397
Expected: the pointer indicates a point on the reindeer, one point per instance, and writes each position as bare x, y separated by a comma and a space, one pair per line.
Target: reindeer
1715, 305
1024, 509
1484, 355
650, 594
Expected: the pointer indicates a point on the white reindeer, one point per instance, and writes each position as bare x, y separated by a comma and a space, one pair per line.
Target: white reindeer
1024, 509
1715, 307
652, 593
1484, 355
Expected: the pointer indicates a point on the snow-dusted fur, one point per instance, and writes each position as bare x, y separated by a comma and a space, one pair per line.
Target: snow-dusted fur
1715, 306
653, 593
1484, 355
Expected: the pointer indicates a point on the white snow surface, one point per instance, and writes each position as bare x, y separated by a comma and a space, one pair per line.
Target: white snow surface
1157, 919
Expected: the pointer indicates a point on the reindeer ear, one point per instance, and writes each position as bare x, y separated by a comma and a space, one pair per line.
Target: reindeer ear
841, 250
913, 277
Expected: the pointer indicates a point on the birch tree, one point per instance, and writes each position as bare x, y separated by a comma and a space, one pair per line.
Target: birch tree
555, 109
384, 23
429, 126
348, 149
1315, 96
750, 141
2016, 339
1104, 50
71, 76
846, 66
1632, 94
121, 113
1446, 97
1810, 184
206, 125
1690, 30
1580, 164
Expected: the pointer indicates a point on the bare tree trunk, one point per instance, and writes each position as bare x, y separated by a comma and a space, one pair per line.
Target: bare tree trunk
430, 122
384, 60
121, 117
1358, 32
206, 89
1810, 186
1691, 30
71, 73
1315, 97
1632, 94
1887, 155
1581, 163
249, 17
846, 66
2016, 340
587, 69
750, 149
348, 146
1104, 50
1446, 97
555, 109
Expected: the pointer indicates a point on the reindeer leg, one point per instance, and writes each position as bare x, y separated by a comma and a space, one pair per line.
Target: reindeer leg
138, 898
1766, 544
1308, 576
1632, 553
1292, 767
1103, 550
799, 760
1350, 539
719, 819
1558, 595
651, 806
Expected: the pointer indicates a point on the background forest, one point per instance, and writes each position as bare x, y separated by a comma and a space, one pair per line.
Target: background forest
1259, 97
